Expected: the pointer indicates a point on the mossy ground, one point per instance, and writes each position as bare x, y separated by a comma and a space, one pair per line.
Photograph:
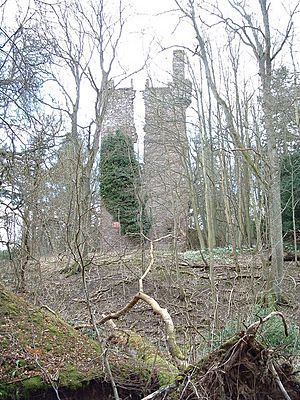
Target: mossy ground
149, 365
37, 347
112, 282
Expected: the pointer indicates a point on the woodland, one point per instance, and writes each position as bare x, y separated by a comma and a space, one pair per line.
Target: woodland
214, 317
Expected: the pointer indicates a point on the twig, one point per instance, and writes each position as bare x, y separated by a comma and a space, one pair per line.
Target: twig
162, 391
108, 322
141, 280
141, 287
44, 306
278, 381
49, 377
108, 369
174, 349
253, 328
121, 312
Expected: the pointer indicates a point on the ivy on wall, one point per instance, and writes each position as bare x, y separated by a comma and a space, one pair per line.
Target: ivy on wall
120, 184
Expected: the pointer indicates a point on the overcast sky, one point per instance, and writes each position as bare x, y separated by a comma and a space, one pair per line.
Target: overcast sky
154, 23
151, 27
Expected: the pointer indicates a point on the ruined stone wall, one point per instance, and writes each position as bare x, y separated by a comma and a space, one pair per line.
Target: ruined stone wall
119, 116
120, 112
165, 152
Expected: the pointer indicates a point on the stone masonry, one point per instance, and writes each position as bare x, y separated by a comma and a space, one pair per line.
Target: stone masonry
120, 112
165, 150
119, 116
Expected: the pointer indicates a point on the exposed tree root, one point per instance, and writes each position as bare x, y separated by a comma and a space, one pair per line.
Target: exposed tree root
240, 369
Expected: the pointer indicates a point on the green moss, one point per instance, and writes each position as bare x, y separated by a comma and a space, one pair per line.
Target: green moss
55, 330
5, 390
57, 344
7, 307
48, 347
21, 363
37, 317
71, 378
4, 343
33, 384
165, 371
9, 391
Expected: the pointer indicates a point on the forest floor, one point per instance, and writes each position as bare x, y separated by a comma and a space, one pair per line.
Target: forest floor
182, 286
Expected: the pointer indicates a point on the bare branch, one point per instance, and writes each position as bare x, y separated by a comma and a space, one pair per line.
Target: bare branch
253, 328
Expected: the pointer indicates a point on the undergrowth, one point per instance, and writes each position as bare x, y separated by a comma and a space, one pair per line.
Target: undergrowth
271, 335
220, 254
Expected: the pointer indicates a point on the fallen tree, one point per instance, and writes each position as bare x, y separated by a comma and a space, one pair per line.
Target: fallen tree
41, 353
41, 356
241, 368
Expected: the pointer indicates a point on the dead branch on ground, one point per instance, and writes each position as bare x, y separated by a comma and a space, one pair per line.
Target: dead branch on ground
173, 347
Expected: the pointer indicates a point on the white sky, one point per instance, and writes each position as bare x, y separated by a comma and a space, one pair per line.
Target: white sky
152, 25
155, 20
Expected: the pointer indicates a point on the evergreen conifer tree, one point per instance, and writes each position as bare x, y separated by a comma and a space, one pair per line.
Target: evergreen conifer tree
290, 192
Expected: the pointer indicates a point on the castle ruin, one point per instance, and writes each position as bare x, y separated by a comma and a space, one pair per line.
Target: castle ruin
120, 112
165, 150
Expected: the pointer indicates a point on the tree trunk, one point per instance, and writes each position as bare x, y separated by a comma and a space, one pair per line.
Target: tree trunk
274, 187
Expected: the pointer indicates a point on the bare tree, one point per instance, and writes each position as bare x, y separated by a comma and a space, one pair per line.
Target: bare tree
25, 134
258, 37
84, 40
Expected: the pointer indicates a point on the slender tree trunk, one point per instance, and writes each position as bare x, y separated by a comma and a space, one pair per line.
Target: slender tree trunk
294, 203
227, 208
25, 248
209, 204
195, 208
274, 187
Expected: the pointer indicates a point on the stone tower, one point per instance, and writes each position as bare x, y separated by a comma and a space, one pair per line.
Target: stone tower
120, 112
119, 115
165, 151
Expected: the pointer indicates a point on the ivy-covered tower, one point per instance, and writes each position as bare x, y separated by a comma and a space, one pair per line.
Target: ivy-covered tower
119, 117
165, 153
